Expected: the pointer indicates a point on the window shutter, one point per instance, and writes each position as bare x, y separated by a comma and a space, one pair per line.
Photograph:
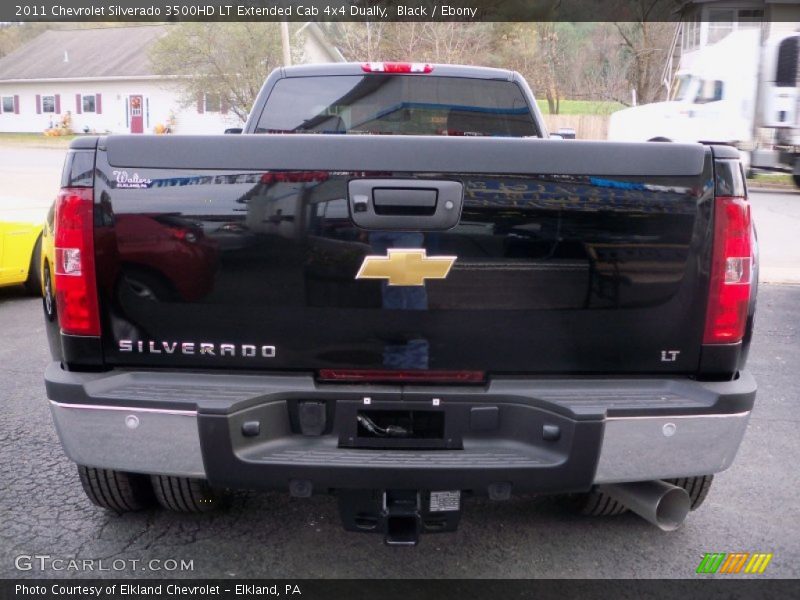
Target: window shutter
38, 104
200, 103
98, 103
223, 105
16, 104
78, 105
58, 104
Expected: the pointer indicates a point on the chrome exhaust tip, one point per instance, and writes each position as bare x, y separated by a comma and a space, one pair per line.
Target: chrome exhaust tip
662, 504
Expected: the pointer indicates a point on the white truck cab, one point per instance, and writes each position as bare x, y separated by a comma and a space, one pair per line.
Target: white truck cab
712, 101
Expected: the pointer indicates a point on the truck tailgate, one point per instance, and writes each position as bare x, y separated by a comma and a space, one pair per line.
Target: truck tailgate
244, 252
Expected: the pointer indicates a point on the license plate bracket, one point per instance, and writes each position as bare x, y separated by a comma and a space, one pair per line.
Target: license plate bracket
398, 425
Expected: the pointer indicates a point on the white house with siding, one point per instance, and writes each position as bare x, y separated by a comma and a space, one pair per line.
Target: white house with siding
103, 78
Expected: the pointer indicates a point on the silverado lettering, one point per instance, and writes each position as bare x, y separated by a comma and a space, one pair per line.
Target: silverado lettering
208, 348
464, 306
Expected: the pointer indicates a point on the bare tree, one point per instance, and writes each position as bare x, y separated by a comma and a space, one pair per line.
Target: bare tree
444, 42
230, 60
645, 45
359, 41
594, 61
535, 51
599, 70
550, 64
451, 42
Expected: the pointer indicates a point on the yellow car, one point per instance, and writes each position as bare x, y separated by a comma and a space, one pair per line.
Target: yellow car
47, 254
20, 245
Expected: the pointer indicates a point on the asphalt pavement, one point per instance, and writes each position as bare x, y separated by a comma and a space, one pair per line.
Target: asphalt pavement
776, 215
752, 507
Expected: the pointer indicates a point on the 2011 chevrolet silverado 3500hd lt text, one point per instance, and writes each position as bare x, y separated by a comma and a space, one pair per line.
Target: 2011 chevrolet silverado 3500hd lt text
402, 295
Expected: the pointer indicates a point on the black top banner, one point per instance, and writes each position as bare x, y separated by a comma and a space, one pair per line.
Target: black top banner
342, 10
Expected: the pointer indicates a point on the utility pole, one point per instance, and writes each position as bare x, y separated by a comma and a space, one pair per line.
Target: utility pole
287, 51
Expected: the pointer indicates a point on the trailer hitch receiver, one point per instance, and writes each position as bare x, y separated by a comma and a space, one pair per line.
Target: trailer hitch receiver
401, 516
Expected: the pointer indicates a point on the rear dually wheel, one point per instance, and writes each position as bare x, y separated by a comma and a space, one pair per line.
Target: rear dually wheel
183, 494
116, 490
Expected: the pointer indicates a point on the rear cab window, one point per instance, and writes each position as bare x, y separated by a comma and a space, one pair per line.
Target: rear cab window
397, 105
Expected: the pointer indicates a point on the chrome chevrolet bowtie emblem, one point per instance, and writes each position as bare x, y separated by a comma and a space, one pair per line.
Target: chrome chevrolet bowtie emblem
405, 267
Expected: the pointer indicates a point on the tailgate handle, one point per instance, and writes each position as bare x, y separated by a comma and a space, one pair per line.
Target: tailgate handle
399, 201
405, 204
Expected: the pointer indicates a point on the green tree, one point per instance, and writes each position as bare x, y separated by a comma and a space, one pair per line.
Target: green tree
230, 60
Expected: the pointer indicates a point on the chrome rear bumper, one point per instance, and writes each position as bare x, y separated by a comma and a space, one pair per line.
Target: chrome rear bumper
139, 440
645, 448
606, 430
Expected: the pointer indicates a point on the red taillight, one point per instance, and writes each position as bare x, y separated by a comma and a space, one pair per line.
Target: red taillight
376, 375
731, 272
396, 67
76, 291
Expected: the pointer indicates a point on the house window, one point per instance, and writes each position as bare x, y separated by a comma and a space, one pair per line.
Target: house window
8, 104
691, 34
721, 23
213, 102
686, 34
88, 103
750, 18
49, 104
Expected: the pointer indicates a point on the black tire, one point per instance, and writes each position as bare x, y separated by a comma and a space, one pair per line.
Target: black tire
115, 490
183, 494
796, 179
696, 487
597, 504
48, 297
34, 281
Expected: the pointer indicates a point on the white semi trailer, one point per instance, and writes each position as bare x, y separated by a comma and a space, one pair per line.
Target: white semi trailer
738, 92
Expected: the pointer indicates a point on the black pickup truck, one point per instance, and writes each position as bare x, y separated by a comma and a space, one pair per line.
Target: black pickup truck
393, 286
